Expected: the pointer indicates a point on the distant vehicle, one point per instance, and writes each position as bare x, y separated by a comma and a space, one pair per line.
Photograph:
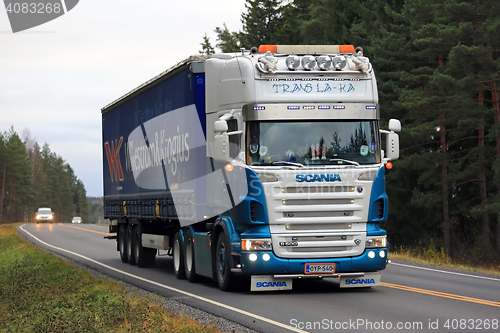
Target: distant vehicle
44, 215
76, 219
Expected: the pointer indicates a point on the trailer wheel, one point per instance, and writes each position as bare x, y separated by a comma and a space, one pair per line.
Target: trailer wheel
130, 244
122, 242
226, 279
180, 273
189, 263
144, 256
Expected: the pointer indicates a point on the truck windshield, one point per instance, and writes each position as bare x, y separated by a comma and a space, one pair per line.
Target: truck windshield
350, 142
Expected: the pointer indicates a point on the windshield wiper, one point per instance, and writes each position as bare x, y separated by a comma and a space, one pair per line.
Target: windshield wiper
341, 160
287, 163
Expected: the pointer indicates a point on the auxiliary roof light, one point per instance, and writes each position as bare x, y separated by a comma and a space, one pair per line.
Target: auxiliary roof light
308, 62
324, 62
292, 62
339, 62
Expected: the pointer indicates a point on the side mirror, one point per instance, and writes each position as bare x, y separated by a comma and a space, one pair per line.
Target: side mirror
220, 126
392, 140
392, 146
221, 142
394, 125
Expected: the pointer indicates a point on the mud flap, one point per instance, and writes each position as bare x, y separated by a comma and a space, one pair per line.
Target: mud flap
268, 283
369, 280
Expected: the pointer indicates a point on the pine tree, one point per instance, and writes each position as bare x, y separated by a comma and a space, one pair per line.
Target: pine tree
207, 47
294, 14
3, 170
18, 181
227, 41
261, 22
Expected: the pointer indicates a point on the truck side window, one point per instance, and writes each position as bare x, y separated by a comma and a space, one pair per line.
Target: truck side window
234, 140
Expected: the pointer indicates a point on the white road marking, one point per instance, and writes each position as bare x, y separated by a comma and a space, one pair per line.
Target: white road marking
446, 272
269, 321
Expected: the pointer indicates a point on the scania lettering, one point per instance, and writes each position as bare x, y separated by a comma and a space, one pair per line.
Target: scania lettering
318, 178
271, 284
264, 165
360, 281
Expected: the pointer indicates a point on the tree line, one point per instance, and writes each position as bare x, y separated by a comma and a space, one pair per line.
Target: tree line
438, 71
32, 177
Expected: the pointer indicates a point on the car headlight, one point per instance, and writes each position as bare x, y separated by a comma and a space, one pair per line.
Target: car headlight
376, 241
38, 217
256, 245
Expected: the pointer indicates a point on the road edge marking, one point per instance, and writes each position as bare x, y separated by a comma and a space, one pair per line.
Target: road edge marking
446, 272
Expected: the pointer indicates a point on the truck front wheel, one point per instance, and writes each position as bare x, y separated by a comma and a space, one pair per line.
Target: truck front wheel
225, 278
179, 271
130, 244
122, 242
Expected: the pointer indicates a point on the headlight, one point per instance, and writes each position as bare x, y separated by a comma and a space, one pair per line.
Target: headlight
339, 62
292, 62
50, 217
324, 62
376, 241
308, 62
38, 217
256, 245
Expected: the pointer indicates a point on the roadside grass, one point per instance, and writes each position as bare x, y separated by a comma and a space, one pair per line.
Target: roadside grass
42, 293
436, 257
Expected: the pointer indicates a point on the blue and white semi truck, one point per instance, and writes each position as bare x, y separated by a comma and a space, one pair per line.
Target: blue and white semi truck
264, 166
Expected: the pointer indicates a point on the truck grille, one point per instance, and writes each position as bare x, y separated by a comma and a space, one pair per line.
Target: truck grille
318, 220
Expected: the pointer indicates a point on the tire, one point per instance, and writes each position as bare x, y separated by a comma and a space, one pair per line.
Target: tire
226, 279
144, 256
122, 242
189, 264
178, 255
130, 249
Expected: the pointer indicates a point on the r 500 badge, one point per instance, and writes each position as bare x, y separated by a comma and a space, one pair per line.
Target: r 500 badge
289, 243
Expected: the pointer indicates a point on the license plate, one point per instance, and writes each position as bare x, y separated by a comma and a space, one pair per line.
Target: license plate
319, 269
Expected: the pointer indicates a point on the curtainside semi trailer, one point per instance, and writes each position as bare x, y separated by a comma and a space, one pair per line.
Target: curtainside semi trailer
264, 166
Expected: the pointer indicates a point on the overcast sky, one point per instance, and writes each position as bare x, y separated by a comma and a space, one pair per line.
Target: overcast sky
56, 77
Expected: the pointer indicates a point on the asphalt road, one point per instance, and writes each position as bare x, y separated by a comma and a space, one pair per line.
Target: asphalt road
412, 298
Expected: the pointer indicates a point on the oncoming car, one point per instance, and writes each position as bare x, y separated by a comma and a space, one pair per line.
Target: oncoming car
44, 215
76, 219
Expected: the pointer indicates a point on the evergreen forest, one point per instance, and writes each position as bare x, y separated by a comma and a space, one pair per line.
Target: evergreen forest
438, 69
32, 177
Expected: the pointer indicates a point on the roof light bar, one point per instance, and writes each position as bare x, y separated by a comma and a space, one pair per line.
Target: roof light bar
339, 107
293, 107
324, 107
259, 108
309, 107
371, 107
304, 49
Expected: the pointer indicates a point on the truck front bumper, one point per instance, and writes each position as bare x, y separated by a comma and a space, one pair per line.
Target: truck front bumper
255, 263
